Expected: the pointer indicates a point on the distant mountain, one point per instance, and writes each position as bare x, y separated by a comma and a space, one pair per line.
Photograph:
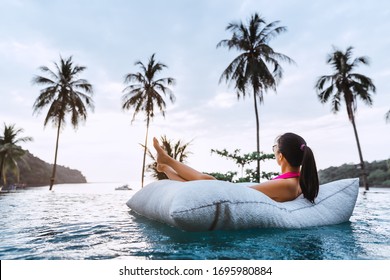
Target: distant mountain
36, 172
378, 173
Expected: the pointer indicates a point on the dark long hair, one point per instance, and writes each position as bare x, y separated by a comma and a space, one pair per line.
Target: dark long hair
297, 153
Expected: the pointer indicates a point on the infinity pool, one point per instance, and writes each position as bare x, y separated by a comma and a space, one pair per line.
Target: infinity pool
92, 221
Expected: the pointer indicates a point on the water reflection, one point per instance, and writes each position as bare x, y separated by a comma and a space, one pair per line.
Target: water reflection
331, 242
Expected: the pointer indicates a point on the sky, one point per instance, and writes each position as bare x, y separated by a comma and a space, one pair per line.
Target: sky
108, 37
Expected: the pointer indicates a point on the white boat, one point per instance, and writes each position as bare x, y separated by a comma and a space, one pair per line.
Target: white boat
123, 188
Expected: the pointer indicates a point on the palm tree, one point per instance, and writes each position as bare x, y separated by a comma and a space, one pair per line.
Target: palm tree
64, 93
251, 68
178, 151
144, 92
346, 84
10, 151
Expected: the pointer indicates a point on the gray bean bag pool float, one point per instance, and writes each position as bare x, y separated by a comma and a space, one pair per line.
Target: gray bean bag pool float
217, 205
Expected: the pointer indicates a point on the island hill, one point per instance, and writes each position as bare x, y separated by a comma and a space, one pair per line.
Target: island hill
35, 172
378, 173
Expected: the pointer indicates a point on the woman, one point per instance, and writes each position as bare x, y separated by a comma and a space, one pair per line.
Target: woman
295, 158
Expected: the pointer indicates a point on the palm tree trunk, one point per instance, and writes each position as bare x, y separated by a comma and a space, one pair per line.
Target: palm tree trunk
145, 148
55, 157
257, 138
362, 165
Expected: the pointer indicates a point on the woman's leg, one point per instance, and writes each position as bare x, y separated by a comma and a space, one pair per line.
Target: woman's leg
171, 174
183, 171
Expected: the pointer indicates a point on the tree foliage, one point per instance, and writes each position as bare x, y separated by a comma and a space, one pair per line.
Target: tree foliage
11, 152
242, 160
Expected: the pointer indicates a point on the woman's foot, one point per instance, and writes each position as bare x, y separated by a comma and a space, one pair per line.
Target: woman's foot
162, 156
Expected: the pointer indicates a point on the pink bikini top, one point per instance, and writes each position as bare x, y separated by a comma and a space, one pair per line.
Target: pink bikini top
287, 175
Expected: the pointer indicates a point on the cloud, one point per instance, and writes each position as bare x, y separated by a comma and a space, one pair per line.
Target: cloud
223, 100
26, 54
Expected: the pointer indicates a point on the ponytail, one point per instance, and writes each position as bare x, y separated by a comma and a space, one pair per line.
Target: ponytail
297, 153
308, 179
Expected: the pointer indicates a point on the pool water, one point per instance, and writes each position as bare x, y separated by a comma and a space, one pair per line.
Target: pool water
92, 221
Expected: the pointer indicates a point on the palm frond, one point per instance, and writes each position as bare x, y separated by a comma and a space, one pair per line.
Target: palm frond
387, 116
325, 94
336, 101
360, 60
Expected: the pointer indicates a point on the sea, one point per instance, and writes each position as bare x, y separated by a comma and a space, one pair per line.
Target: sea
92, 222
